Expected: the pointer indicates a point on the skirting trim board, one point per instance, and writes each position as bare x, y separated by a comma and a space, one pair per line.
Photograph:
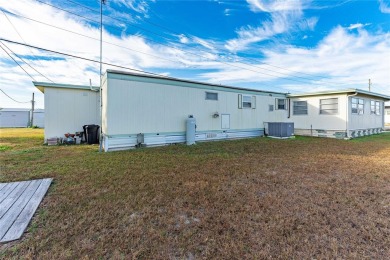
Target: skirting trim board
339, 134
123, 142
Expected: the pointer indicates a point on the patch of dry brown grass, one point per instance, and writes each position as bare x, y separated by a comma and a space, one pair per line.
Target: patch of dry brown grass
255, 198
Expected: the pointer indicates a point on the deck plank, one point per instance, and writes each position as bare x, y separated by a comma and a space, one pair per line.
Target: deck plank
8, 219
12, 197
7, 190
21, 223
2, 185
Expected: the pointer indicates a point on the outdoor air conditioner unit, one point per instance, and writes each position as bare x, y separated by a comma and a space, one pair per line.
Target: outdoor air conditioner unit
280, 129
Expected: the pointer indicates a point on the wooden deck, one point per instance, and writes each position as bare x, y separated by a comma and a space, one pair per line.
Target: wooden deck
18, 203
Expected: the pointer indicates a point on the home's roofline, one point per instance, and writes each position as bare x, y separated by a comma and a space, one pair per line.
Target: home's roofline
190, 81
344, 91
42, 85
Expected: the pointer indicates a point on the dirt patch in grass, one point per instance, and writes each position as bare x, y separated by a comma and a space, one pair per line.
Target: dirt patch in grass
254, 198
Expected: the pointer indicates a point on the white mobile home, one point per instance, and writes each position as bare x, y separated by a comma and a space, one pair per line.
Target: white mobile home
341, 114
158, 107
14, 117
68, 108
153, 110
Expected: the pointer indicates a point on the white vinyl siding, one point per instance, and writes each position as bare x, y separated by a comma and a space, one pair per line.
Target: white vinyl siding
299, 107
329, 106
357, 106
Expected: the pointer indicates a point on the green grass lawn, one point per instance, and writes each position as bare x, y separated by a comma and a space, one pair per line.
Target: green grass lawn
254, 198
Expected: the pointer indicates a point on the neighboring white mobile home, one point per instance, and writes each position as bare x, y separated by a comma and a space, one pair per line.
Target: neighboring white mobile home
341, 114
158, 107
39, 118
14, 117
68, 108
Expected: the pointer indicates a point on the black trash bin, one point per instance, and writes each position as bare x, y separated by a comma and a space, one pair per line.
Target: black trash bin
91, 134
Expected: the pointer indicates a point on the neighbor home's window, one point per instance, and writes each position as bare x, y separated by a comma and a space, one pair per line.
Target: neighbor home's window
280, 104
358, 106
299, 107
388, 112
329, 106
211, 96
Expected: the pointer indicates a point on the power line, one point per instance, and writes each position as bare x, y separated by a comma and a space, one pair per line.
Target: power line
97, 22
27, 63
87, 59
13, 26
79, 57
17, 63
248, 64
222, 62
90, 37
13, 98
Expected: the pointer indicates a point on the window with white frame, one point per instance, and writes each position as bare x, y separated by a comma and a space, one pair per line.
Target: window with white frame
377, 108
211, 96
246, 101
299, 107
372, 107
329, 106
280, 104
357, 106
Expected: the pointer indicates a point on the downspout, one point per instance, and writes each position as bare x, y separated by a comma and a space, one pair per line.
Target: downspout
347, 115
288, 107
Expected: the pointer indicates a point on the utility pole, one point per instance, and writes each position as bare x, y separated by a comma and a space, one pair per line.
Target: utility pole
102, 2
369, 85
32, 111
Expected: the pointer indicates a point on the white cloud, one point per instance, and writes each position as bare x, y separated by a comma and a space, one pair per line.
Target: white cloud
285, 16
270, 6
384, 7
357, 26
342, 59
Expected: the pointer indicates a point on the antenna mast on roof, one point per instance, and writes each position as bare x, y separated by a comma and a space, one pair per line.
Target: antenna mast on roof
369, 85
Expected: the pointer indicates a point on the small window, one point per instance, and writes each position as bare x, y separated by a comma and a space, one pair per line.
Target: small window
245, 101
280, 104
211, 96
299, 107
358, 106
377, 108
388, 112
329, 106
372, 107
271, 108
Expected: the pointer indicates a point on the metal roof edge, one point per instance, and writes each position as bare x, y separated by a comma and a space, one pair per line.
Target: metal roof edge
343, 91
42, 85
190, 81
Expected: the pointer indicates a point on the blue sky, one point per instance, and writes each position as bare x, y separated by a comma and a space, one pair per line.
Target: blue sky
289, 46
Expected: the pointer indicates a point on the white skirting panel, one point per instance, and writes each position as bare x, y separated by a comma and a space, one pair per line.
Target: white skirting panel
115, 143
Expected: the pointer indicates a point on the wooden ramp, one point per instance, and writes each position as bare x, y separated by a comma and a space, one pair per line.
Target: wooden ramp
18, 203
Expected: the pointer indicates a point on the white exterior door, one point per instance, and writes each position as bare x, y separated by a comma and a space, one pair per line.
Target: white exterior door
225, 121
